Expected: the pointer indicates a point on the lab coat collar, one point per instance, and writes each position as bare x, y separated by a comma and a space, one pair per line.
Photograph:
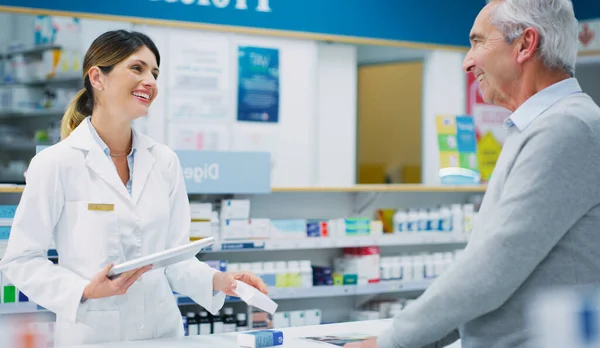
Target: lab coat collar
82, 138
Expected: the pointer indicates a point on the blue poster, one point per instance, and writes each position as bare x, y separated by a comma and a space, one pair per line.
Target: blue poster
258, 84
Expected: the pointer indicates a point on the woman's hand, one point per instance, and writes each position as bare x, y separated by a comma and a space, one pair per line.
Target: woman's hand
225, 281
101, 286
372, 343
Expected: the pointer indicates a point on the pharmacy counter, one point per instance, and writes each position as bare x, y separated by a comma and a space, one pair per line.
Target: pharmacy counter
293, 337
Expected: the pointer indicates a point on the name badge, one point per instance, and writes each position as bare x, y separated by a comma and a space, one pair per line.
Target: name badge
101, 207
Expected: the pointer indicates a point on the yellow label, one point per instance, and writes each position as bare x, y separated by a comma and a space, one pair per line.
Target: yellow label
101, 207
446, 124
281, 280
488, 151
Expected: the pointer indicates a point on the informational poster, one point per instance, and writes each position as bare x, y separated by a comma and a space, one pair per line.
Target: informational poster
255, 139
489, 128
258, 84
199, 78
199, 137
457, 143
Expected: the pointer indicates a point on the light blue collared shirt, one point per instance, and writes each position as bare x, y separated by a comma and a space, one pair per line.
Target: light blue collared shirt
106, 151
540, 102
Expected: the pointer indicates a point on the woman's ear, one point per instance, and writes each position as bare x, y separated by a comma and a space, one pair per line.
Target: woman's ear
96, 78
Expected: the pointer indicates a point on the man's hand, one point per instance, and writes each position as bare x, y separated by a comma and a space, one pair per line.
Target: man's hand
372, 343
225, 281
101, 286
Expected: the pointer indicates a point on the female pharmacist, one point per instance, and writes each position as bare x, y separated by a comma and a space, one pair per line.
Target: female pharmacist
106, 194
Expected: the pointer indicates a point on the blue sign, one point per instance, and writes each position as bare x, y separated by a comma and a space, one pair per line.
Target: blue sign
4, 232
258, 84
226, 172
432, 22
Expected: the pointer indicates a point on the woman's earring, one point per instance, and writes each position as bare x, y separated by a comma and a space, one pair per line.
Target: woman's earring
100, 88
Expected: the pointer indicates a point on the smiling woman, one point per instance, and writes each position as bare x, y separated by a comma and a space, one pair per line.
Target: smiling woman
116, 61
107, 194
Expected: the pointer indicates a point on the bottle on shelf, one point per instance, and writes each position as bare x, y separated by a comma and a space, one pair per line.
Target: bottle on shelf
204, 324
306, 274
242, 322
192, 324
217, 323
229, 322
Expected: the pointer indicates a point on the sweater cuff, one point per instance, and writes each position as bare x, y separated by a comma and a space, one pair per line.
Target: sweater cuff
387, 340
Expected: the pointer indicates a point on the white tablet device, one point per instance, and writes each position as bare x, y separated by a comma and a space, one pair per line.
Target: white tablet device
163, 258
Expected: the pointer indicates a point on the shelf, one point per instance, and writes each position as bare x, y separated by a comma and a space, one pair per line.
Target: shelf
333, 291
31, 113
31, 50
10, 188
20, 308
66, 78
275, 294
372, 188
409, 238
386, 188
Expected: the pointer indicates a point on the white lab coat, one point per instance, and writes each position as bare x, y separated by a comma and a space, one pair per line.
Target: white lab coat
61, 181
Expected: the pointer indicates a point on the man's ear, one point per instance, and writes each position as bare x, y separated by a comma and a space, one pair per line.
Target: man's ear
527, 45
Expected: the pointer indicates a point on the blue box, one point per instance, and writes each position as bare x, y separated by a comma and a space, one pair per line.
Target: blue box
260, 339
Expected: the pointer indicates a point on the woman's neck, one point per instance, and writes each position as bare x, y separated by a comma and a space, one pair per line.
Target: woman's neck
115, 133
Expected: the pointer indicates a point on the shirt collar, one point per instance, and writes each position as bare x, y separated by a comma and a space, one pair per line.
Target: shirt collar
101, 142
540, 102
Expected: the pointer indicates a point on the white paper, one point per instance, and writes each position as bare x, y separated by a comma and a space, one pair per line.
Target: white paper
199, 137
199, 73
261, 138
254, 297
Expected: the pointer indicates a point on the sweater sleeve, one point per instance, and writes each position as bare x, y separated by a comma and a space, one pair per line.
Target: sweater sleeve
551, 185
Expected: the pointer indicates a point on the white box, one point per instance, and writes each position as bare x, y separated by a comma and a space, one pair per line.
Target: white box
260, 228
201, 211
297, 318
281, 320
235, 229
312, 317
235, 209
201, 229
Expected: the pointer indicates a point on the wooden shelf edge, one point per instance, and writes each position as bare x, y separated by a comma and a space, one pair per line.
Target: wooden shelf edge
386, 188
12, 189
357, 188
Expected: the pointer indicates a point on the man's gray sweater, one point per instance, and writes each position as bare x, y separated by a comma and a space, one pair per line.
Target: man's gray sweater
538, 226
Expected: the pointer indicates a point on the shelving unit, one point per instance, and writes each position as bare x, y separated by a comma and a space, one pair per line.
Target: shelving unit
336, 302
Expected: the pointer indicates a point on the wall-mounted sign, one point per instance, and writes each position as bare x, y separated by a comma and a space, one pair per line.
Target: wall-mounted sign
226, 172
408, 21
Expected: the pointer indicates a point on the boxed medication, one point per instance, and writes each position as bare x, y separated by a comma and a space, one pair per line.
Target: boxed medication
288, 228
260, 339
235, 209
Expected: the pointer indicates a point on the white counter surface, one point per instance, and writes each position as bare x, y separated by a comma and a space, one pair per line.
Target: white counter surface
291, 336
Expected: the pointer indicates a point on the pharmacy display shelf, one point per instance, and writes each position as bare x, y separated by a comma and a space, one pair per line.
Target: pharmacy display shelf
63, 78
20, 308
386, 188
405, 239
356, 188
29, 50
398, 239
11, 188
274, 293
333, 291
31, 113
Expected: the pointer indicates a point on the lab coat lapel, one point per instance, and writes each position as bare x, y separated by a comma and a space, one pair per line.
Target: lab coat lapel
99, 163
142, 166
95, 159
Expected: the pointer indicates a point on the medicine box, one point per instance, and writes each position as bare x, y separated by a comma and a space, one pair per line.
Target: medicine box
201, 211
260, 339
235, 229
288, 228
312, 317
235, 209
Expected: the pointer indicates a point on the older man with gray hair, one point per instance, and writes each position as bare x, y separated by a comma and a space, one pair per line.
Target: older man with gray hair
539, 223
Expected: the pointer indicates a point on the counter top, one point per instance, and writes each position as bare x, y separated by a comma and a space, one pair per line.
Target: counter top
292, 337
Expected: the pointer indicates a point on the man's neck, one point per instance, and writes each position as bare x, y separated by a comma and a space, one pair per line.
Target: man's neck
534, 82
